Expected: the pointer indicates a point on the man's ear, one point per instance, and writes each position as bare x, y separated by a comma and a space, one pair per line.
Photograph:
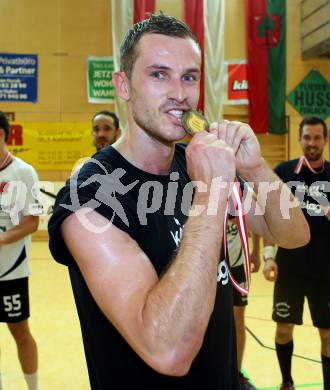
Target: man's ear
120, 82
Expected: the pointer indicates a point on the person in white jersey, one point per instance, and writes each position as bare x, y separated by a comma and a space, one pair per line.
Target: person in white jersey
19, 210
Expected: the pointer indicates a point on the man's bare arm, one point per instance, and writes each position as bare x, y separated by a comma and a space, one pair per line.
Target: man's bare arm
26, 226
280, 212
255, 253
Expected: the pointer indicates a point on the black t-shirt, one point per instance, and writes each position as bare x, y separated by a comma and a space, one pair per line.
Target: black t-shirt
112, 364
312, 190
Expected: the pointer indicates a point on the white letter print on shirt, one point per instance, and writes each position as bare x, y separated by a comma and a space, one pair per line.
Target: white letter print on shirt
177, 234
223, 273
222, 268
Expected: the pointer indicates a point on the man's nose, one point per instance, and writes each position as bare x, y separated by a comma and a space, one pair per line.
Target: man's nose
311, 142
101, 133
177, 90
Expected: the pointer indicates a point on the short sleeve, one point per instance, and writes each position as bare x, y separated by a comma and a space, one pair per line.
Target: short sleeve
95, 190
22, 195
32, 204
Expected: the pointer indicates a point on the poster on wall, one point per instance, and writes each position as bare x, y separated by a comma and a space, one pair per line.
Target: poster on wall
18, 77
51, 146
99, 80
311, 96
236, 85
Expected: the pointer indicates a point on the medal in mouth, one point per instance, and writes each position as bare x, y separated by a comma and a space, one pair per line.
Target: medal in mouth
193, 122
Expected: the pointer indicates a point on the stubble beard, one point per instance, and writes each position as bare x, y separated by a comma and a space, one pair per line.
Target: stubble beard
313, 157
149, 122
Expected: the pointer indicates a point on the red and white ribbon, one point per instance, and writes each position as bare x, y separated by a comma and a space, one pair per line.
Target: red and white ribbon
237, 199
303, 161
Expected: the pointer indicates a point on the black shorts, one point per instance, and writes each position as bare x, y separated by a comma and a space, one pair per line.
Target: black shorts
238, 273
14, 300
289, 296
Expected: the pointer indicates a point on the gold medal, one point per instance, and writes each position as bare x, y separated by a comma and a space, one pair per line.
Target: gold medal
194, 122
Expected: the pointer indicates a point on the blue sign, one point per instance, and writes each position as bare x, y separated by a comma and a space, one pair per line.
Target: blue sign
18, 77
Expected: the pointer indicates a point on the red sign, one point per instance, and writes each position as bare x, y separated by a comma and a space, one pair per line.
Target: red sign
237, 82
16, 135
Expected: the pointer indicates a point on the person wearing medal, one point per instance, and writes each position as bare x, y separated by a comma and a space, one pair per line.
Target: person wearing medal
19, 217
140, 226
305, 271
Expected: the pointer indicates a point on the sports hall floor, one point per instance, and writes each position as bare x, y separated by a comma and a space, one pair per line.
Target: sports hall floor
55, 326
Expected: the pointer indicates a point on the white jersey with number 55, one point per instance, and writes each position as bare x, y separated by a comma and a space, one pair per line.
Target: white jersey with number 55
19, 197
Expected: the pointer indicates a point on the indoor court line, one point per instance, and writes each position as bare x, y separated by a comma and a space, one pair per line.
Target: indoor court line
273, 349
270, 320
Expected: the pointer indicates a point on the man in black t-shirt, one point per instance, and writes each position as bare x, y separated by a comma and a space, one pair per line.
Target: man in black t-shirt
304, 272
143, 246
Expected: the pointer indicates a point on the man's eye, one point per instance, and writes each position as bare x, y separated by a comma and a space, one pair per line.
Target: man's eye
189, 77
158, 75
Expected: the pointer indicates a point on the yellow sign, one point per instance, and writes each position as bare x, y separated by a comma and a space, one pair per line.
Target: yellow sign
51, 146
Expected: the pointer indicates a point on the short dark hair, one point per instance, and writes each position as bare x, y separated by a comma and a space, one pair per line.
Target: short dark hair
108, 113
4, 125
155, 24
313, 120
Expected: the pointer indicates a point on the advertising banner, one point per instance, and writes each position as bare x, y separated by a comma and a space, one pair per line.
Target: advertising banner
312, 96
237, 84
18, 77
99, 80
51, 146
235, 87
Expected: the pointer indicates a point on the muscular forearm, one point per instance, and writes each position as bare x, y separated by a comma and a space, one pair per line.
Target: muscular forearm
28, 225
282, 213
178, 308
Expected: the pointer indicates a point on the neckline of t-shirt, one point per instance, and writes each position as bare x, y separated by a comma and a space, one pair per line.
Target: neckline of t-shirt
124, 163
9, 164
324, 170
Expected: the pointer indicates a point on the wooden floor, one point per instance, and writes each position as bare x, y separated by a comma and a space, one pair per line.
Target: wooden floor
55, 326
